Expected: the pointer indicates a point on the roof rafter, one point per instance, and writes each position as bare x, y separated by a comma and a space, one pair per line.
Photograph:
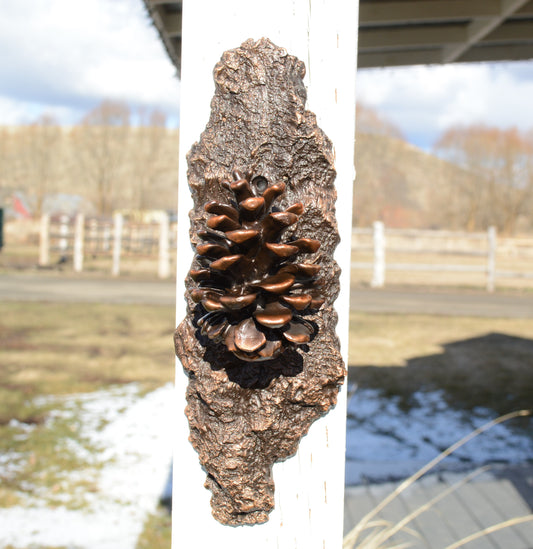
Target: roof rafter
400, 37
480, 27
509, 32
516, 52
410, 32
409, 11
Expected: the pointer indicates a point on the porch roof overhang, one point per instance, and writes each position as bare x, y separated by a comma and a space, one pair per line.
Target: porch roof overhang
410, 32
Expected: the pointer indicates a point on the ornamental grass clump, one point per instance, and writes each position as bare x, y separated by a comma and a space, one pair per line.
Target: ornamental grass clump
373, 533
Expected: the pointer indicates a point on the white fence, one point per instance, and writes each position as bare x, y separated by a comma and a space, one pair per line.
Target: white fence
79, 238
486, 247
377, 249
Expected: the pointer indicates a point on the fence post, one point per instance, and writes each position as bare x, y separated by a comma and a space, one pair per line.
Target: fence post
118, 221
44, 241
63, 231
491, 259
78, 243
164, 257
92, 244
1, 228
378, 276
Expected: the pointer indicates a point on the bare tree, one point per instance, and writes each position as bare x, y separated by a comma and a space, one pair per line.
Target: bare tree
370, 121
38, 159
466, 147
380, 184
500, 165
150, 159
101, 142
4, 158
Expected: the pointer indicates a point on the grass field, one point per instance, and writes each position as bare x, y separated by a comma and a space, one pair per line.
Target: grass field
58, 349
474, 361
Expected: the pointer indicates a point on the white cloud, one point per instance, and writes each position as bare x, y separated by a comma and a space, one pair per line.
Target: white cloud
14, 112
425, 100
65, 56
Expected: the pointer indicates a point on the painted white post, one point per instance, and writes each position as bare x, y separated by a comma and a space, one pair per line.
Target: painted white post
378, 276
309, 486
44, 241
78, 243
63, 231
164, 256
93, 236
118, 221
491, 259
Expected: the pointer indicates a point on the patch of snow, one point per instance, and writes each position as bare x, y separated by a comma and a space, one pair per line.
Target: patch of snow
385, 442
133, 435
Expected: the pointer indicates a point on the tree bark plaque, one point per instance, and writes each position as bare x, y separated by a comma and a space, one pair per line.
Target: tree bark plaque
258, 343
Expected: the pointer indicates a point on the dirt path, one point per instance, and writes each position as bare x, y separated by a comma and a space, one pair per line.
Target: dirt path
49, 288
442, 302
53, 288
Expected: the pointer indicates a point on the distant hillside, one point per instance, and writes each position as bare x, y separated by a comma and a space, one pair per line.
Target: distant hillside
403, 186
111, 167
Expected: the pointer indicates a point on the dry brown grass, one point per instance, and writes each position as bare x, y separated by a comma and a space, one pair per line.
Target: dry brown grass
67, 348
393, 339
474, 361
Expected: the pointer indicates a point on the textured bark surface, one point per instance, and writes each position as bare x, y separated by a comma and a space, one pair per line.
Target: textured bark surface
245, 416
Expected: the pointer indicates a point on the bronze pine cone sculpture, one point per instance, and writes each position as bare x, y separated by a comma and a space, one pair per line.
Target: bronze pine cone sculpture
252, 292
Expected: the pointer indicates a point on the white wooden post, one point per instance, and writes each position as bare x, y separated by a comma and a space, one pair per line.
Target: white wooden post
378, 276
78, 243
309, 486
118, 221
491, 259
164, 256
93, 236
44, 241
63, 231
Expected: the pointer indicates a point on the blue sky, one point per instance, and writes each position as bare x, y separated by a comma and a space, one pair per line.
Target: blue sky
62, 57
426, 100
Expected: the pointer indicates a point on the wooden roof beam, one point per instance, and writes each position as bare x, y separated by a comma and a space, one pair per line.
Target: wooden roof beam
171, 23
481, 27
512, 52
168, 25
387, 13
369, 59
525, 11
510, 31
160, 2
391, 37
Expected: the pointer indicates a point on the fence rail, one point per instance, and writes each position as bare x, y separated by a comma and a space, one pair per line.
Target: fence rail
78, 238
412, 242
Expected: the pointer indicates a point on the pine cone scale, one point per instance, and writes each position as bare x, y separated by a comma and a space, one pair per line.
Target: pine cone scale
252, 291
